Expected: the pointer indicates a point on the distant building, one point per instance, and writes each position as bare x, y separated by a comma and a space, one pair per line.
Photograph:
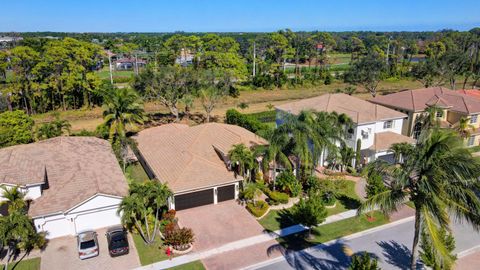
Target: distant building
7, 41
129, 63
185, 58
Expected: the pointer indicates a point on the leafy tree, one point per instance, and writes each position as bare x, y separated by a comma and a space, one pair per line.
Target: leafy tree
427, 253
243, 159
287, 182
309, 212
358, 153
214, 89
144, 201
15, 128
437, 187
363, 262
367, 72
375, 184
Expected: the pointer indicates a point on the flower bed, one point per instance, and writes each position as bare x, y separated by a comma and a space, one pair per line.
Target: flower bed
259, 209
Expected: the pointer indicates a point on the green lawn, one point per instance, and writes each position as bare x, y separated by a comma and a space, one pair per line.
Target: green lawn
196, 265
324, 233
149, 254
278, 219
30, 264
136, 172
105, 73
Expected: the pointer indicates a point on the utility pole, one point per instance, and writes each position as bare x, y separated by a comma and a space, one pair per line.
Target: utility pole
254, 56
388, 50
136, 64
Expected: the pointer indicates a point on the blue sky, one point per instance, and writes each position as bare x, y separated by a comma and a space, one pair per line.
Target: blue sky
236, 15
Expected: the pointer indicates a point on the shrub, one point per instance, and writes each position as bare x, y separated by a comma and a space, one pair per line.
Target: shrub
363, 262
179, 239
287, 183
169, 215
15, 128
234, 117
375, 184
309, 212
258, 209
277, 197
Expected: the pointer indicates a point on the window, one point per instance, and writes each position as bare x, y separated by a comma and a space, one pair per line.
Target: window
471, 140
473, 119
364, 135
387, 124
439, 114
417, 129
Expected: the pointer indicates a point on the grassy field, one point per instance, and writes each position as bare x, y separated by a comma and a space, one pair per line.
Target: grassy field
151, 253
278, 219
258, 101
30, 264
324, 233
136, 172
104, 73
196, 265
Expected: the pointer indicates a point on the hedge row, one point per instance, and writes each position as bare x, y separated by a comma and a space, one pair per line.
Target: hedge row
277, 197
234, 117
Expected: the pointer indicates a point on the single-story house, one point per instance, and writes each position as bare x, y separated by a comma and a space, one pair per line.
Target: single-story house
373, 125
74, 183
129, 63
193, 161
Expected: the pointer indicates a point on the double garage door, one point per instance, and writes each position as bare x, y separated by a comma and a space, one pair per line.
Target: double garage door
204, 197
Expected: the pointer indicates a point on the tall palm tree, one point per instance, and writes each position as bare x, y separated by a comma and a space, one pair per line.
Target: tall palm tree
157, 193
243, 158
123, 109
464, 128
275, 154
401, 150
439, 176
14, 198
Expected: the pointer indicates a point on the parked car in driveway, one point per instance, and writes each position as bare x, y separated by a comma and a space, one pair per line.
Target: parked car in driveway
117, 241
87, 245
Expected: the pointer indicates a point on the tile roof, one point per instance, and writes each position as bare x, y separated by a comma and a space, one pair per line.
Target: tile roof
188, 158
360, 111
384, 140
419, 99
76, 169
470, 92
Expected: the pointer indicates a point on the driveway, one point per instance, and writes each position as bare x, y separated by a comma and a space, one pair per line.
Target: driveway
219, 224
61, 253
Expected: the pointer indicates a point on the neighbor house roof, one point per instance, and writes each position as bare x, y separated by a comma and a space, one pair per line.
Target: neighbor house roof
384, 140
360, 111
73, 168
189, 158
419, 99
470, 92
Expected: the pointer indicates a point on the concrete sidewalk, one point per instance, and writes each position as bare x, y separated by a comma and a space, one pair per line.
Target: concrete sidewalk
265, 237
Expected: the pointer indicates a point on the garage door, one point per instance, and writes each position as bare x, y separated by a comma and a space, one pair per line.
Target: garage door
96, 220
226, 193
194, 199
58, 227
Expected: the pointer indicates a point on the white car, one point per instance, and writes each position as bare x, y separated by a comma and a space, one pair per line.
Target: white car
87, 245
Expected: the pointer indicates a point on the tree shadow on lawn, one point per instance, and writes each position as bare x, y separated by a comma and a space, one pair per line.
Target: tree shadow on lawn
284, 219
397, 255
316, 256
349, 202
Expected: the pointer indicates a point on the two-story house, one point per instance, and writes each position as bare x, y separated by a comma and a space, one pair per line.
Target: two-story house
454, 106
375, 127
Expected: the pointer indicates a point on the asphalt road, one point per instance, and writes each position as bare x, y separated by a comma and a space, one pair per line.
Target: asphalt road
391, 246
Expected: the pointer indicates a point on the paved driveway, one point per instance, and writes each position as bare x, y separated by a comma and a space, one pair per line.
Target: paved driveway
219, 224
61, 253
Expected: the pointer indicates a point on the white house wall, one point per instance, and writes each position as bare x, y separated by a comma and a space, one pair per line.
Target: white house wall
97, 212
31, 192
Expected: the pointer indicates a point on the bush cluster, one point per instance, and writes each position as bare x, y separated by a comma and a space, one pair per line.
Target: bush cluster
258, 209
179, 239
277, 197
234, 117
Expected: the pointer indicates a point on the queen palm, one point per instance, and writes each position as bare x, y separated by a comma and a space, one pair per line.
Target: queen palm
243, 158
439, 176
275, 154
123, 109
14, 198
464, 128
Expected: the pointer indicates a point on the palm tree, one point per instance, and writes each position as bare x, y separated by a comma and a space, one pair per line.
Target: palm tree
14, 198
123, 109
464, 128
275, 154
158, 194
439, 176
243, 158
401, 150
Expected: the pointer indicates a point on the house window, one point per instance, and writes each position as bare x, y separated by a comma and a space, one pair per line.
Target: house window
387, 124
471, 140
439, 114
364, 134
473, 119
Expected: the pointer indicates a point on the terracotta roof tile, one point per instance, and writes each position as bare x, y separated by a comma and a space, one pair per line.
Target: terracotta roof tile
419, 99
189, 158
360, 111
76, 168
384, 140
